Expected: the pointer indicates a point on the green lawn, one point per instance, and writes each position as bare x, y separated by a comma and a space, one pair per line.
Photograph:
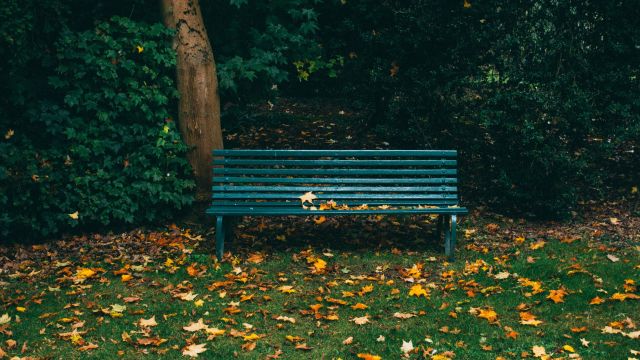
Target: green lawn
290, 290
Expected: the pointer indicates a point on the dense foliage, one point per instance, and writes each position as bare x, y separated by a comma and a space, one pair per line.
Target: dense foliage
539, 96
99, 146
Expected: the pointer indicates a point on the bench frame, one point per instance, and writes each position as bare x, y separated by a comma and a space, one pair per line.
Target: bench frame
447, 216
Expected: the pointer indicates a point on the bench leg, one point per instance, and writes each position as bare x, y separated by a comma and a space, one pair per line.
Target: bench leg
220, 235
447, 236
453, 239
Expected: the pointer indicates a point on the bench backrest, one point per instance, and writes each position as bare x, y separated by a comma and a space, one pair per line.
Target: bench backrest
352, 177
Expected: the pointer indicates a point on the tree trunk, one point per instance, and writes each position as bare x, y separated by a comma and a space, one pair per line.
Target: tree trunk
199, 106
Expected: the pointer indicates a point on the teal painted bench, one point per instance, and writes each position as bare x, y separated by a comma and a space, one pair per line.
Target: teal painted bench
271, 182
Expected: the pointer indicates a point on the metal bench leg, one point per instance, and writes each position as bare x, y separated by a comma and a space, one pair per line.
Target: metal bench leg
220, 235
447, 236
453, 237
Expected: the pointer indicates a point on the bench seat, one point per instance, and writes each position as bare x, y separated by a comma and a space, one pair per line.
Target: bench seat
343, 182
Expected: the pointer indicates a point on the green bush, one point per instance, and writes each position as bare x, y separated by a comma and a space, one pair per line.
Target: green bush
538, 96
101, 144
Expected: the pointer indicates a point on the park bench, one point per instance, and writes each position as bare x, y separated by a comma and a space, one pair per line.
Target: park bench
343, 182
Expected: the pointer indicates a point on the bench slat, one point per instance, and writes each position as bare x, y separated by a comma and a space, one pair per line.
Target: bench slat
334, 196
250, 171
286, 211
336, 153
296, 204
320, 180
303, 189
399, 162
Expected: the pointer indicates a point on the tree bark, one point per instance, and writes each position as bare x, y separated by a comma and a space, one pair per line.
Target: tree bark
197, 81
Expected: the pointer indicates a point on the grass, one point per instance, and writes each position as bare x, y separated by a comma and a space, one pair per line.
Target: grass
44, 297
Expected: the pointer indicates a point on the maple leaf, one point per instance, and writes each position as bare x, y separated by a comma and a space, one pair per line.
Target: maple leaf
196, 326
502, 275
488, 314
400, 315
74, 215
361, 320
466, 4
287, 289
293, 338
527, 318
148, 322
584, 342
194, 349
255, 258
557, 296
89, 346
214, 331
623, 297
417, 290
186, 296
407, 346
308, 197
5, 319
319, 266
359, 306
368, 356
251, 337
151, 341
596, 301
286, 318
539, 351
348, 340
302, 346
84, 273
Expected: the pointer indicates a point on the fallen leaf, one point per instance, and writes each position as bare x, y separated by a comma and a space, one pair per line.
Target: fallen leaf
194, 349
557, 296
417, 290
539, 351
148, 322
361, 320
613, 258
407, 346
196, 326
368, 357
89, 346
348, 340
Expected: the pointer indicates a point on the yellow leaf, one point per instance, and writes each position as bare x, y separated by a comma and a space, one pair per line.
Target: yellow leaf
251, 337
557, 296
634, 190
417, 290
466, 4
21, 309
488, 314
319, 266
74, 215
84, 273
10, 133
198, 303
140, 49
359, 306
596, 301
568, 348
368, 357
126, 277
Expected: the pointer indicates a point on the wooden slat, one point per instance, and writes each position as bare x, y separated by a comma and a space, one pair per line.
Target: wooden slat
303, 189
336, 153
375, 172
262, 162
320, 180
286, 211
331, 196
296, 204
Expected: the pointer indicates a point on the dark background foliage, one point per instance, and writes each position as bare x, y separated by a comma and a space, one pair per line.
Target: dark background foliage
541, 97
